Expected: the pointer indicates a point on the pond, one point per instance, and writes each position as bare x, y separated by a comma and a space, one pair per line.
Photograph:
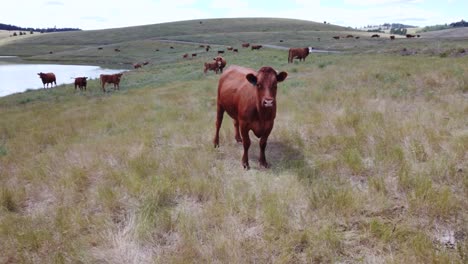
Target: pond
19, 77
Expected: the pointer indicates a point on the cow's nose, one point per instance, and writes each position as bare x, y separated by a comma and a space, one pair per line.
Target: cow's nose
268, 102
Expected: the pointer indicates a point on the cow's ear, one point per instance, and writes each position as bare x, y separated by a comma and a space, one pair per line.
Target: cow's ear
281, 76
252, 79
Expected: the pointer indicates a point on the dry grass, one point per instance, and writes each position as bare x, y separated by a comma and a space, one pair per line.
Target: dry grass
368, 153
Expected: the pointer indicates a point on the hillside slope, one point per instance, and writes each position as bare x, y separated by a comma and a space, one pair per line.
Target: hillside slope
181, 28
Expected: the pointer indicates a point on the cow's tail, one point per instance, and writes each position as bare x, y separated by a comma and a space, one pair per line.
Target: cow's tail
289, 56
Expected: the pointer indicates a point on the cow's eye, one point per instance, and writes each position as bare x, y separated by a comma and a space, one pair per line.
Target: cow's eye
259, 86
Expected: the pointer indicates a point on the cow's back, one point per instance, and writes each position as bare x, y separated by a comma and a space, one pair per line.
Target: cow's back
235, 94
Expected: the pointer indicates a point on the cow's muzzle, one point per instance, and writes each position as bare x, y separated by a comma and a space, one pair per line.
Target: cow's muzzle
268, 102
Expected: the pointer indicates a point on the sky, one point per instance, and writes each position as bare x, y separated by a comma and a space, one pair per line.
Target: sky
104, 14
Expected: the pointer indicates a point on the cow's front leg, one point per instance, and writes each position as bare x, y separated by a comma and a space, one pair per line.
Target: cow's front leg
262, 159
246, 143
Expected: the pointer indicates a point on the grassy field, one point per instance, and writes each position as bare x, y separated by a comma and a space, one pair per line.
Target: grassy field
369, 160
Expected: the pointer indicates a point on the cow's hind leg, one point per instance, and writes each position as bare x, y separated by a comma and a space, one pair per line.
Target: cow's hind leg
236, 131
219, 120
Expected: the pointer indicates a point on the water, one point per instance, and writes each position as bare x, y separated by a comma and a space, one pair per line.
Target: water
15, 78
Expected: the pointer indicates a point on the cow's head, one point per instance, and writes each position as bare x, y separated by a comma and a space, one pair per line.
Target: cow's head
265, 80
41, 74
219, 61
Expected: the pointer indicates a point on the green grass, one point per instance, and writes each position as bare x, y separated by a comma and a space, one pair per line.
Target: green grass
368, 158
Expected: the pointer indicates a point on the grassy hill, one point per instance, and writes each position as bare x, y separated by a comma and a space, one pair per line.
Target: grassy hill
368, 156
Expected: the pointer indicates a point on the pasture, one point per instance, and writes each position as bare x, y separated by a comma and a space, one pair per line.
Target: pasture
369, 160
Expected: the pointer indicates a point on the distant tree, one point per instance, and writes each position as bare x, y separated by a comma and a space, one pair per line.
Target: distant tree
462, 23
433, 28
398, 31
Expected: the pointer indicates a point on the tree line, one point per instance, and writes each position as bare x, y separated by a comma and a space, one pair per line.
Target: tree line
461, 23
30, 29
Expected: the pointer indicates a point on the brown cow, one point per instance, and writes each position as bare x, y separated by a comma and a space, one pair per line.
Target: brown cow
336, 37
392, 37
221, 62
185, 56
81, 83
220, 51
300, 53
194, 55
235, 50
117, 50
410, 36
110, 78
245, 45
229, 48
145, 62
249, 97
212, 66
47, 78
256, 47
375, 36
136, 65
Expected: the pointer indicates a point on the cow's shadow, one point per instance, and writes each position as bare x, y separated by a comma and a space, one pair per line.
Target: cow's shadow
282, 158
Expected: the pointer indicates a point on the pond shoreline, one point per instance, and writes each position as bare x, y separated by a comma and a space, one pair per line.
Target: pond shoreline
18, 76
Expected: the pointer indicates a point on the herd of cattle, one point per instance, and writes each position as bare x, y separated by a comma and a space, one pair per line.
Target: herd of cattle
392, 37
81, 82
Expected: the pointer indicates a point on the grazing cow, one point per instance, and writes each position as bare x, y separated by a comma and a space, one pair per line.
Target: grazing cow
220, 51
249, 98
145, 62
281, 40
357, 37
349, 36
256, 47
375, 36
392, 37
117, 50
212, 66
336, 37
208, 47
171, 47
410, 36
221, 62
229, 48
194, 55
81, 83
157, 50
47, 78
418, 36
300, 53
185, 56
245, 45
136, 65
202, 46
110, 78
235, 50
100, 48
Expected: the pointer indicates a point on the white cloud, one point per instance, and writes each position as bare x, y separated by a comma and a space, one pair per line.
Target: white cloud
381, 2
